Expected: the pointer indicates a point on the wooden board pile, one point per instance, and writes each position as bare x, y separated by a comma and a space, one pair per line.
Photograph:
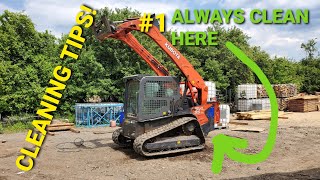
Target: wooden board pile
257, 91
283, 103
304, 103
283, 93
281, 90
285, 90
62, 126
247, 129
259, 115
261, 91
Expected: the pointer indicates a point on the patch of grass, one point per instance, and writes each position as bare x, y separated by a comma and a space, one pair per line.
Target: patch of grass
17, 123
1, 129
23, 122
71, 118
65, 117
17, 127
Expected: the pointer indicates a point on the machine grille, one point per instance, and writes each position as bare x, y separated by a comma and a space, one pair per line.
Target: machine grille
156, 96
153, 107
164, 89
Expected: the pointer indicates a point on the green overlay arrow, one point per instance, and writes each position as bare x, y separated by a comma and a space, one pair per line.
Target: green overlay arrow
226, 145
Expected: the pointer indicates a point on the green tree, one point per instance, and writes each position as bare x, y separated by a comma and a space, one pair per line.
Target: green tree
284, 71
310, 48
310, 68
27, 59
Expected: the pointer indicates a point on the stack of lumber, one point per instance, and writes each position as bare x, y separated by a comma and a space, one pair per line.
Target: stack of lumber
259, 115
61, 126
303, 103
318, 102
283, 104
261, 91
247, 129
285, 90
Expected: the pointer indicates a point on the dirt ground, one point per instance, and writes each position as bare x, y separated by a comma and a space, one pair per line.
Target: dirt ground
295, 156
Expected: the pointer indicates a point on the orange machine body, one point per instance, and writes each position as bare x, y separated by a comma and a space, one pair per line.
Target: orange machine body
195, 83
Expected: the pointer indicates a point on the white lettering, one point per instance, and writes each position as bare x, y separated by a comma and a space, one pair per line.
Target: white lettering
172, 50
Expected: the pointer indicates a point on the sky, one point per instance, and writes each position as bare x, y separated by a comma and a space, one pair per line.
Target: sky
278, 40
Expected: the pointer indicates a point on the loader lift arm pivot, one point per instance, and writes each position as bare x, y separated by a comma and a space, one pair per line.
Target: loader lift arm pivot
121, 30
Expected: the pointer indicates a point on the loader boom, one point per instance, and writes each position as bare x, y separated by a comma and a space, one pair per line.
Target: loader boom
122, 31
159, 119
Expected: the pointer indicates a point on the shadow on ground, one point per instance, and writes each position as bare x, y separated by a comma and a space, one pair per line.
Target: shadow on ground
305, 174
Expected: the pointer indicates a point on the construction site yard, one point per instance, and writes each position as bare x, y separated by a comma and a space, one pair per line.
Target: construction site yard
295, 155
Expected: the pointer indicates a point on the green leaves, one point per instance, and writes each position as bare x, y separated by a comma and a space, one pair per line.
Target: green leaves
27, 58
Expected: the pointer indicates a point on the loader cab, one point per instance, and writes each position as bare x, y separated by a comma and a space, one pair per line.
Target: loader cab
150, 97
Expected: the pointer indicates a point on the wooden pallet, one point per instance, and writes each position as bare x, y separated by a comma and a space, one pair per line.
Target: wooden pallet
62, 127
247, 129
259, 115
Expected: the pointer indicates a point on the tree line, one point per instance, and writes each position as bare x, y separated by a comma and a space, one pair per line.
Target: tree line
27, 58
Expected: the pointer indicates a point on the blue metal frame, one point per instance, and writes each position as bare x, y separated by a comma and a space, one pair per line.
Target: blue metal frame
98, 114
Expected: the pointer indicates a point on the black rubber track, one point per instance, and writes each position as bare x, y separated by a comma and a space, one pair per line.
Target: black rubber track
140, 140
120, 139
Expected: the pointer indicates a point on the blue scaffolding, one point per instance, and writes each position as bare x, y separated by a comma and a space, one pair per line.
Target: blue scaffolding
98, 114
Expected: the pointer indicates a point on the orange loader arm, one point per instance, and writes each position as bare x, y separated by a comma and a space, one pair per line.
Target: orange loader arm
121, 30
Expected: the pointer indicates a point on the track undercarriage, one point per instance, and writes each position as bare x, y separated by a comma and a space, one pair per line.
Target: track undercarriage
180, 135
